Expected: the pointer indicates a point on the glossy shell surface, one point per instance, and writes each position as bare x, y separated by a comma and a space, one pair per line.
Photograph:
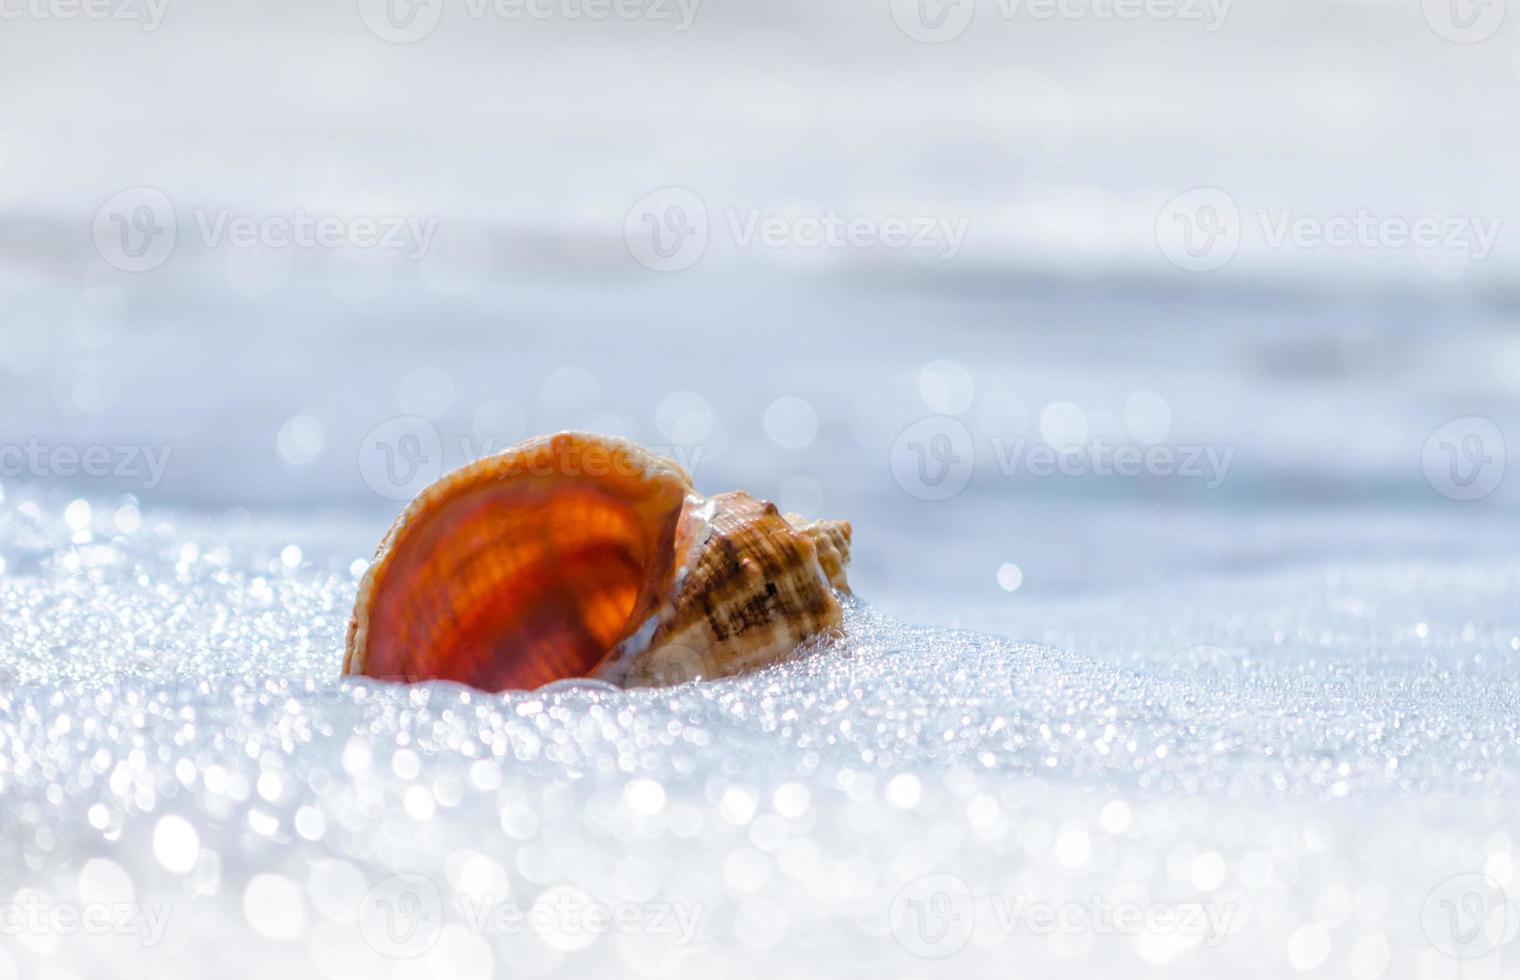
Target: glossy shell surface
577, 555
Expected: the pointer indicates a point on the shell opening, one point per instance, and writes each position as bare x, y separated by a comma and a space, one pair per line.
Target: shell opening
520, 570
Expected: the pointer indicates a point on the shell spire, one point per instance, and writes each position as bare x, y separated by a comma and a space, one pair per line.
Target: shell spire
578, 555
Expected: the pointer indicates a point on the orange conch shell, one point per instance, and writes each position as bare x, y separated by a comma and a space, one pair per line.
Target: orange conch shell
577, 555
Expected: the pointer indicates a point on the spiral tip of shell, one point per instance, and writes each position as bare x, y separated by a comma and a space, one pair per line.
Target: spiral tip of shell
832, 541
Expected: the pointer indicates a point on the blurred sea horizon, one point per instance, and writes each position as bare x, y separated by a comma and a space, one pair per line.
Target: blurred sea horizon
1074, 285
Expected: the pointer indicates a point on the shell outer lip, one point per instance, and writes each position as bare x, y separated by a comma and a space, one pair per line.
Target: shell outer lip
481, 470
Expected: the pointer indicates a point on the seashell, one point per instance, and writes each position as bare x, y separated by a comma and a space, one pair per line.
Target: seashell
576, 555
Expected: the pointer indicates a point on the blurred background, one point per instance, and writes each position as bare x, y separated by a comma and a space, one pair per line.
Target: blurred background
1177, 336
284, 262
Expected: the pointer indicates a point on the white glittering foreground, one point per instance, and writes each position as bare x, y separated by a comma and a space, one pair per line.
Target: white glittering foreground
188, 789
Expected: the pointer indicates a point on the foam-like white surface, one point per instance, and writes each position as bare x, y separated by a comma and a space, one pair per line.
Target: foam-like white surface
179, 758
